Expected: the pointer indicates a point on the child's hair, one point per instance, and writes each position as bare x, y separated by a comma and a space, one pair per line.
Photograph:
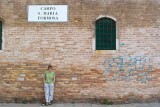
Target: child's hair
49, 66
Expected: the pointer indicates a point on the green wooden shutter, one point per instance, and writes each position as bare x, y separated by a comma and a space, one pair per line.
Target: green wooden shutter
105, 34
0, 35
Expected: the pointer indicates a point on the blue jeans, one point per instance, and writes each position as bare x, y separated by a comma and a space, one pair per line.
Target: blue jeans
49, 91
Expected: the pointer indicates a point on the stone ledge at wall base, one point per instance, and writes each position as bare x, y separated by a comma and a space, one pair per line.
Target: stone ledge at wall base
105, 101
19, 100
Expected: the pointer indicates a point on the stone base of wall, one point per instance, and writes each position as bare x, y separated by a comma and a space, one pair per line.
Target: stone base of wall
22, 82
125, 100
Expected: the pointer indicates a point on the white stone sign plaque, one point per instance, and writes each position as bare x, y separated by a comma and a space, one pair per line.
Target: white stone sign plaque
47, 13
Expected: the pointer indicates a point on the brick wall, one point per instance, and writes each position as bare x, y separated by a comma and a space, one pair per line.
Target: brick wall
81, 71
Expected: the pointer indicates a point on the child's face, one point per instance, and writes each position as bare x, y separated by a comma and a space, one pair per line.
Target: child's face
50, 68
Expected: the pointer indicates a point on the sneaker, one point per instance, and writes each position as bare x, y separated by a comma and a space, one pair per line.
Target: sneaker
45, 104
51, 102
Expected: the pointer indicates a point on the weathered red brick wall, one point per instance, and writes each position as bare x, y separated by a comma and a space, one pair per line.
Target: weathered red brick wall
82, 73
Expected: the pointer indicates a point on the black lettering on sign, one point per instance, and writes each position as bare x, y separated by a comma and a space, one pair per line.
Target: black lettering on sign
39, 13
50, 13
48, 8
47, 18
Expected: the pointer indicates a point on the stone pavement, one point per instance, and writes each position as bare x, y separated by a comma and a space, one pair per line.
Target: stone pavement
81, 105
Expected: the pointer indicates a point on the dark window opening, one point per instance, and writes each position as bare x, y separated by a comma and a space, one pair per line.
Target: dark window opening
0, 35
105, 34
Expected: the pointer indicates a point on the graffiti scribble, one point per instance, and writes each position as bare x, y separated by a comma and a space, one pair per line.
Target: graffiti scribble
127, 68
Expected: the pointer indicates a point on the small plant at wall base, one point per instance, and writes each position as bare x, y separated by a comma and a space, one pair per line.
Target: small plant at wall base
107, 102
72, 102
25, 101
95, 100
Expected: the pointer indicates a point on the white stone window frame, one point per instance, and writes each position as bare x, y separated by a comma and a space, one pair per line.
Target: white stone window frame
94, 33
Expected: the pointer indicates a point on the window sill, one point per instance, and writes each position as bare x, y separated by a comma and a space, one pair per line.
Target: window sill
1, 51
101, 52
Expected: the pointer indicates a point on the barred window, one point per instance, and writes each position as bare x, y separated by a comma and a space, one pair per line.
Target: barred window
105, 34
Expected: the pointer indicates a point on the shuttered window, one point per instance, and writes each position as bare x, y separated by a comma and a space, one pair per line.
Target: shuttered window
0, 35
105, 34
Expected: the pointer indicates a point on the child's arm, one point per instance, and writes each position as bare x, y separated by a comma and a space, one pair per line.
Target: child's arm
44, 77
54, 78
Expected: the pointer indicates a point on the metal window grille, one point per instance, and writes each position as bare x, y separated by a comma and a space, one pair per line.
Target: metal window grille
105, 34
